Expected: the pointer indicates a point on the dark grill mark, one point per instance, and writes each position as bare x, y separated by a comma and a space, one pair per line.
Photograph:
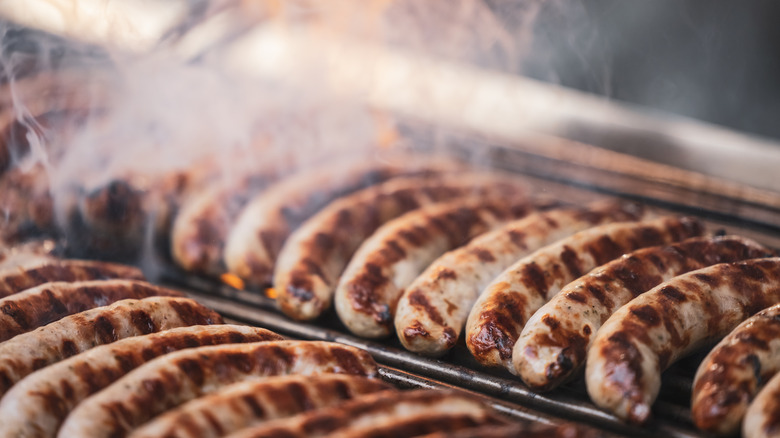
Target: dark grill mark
483, 255
193, 370
349, 361
69, 348
597, 292
446, 274
572, 262
673, 294
414, 330
418, 299
142, 321
105, 330
190, 312
518, 238
498, 327
647, 314
551, 322
575, 296
361, 289
534, 279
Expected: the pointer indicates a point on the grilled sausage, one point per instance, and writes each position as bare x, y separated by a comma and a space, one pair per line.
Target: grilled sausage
40, 305
440, 299
375, 409
762, 419
201, 226
733, 372
398, 252
264, 224
314, 256
502, 310
74, 334
19, 278
642, 338
37, 405
251, 402
553, 345
524, 430
178, 377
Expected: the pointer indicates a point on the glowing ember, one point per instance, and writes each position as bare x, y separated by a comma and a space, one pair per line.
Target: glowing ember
271, 293
232, 281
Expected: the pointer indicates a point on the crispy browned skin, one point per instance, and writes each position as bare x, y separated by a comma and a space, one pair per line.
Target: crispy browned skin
173, 379
500, 313
641, 339
400, 250
734, 371
555, 341
262, 227
762, 419
74, 334
19, 278
419, 424
314, 256
202, 224
39, 403
252, 402
524, 430
440, 299
40, 305
381, 410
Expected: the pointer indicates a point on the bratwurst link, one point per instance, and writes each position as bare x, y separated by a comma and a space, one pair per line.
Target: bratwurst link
400, 250
502, 310
74, 334
734, 371
37, 405
265, 222
40, 305
652, 331
554, 343
15, 279
175, 378
315, 255
252, 402
440, 299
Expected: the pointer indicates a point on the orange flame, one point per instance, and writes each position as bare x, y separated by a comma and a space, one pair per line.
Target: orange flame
271, 293
232, 281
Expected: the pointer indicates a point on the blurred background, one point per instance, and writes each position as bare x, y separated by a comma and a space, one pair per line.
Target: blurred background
640, 64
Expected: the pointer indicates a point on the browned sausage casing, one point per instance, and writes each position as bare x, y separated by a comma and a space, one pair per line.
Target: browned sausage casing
252, 402
173, 379
40, 305
315, 255
37, 405
401, 249
18, 278
74, 334
652, 331
265, 222
500, 313
734, 371
555, 341
377, 410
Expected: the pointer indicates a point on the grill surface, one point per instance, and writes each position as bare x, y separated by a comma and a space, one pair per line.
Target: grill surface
569, 171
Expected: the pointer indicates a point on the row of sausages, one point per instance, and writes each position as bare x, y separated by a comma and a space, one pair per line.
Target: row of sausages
90, 349
433, 250
430, 257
